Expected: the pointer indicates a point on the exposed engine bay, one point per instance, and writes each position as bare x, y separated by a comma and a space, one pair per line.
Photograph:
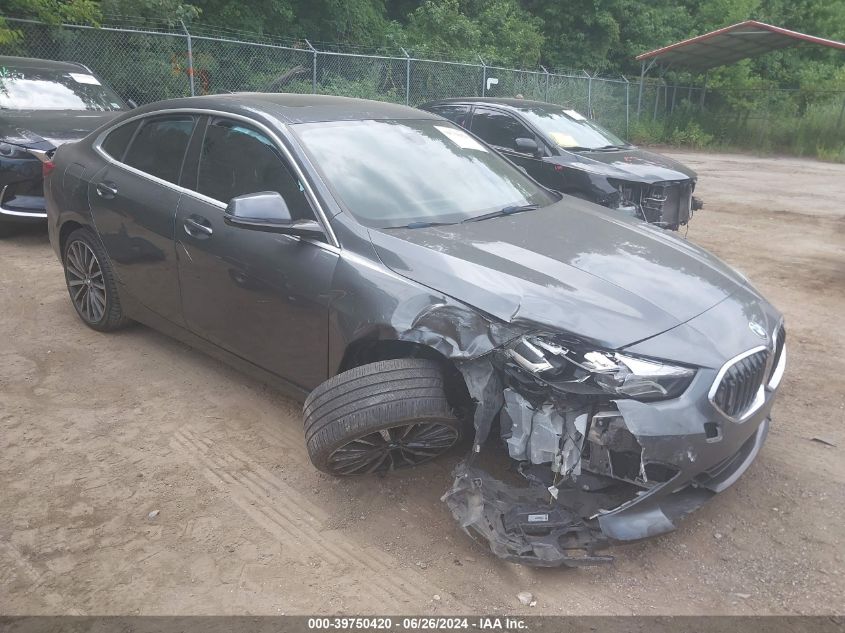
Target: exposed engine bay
579, 463
666, 204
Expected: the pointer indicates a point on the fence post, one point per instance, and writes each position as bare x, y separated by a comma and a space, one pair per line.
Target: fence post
407, 76
841, 113
190, 55
627, 105
483, 76
657, 99
313, 68
546, 90
589, 94
640, 96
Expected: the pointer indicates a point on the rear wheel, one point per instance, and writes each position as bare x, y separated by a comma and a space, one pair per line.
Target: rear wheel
91, 283
383, 416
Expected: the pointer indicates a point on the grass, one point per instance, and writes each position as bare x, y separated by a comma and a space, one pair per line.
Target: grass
817, 130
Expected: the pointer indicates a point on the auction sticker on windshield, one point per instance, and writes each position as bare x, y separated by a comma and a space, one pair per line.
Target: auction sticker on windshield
84, 79
460, 138
563, 139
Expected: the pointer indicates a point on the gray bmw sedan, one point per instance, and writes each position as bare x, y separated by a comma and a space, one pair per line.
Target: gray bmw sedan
415, 288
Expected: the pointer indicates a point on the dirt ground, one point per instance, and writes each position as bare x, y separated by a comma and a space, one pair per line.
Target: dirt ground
98, 431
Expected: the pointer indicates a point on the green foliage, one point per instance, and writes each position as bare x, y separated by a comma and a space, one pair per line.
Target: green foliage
646, 131
742, 108
690, 136
50, 11
501, 31
172, 11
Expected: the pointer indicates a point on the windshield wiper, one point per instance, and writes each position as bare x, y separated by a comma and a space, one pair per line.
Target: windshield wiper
603, 148
419, 225
504, 211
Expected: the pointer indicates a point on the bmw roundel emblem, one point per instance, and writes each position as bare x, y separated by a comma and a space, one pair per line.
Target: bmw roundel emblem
757, 329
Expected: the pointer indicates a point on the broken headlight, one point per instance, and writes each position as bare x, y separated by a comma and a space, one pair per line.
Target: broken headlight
579, 369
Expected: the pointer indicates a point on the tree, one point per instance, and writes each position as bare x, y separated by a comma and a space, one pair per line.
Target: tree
499, 30
50, 11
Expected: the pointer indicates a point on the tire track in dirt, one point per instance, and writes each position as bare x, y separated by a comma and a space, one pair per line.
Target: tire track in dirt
290, 522
14, 564
292, 519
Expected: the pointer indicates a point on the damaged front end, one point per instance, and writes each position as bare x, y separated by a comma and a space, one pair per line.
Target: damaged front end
596, 450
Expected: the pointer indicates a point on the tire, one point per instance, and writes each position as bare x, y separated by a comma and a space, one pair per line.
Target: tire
383, 416
91, 285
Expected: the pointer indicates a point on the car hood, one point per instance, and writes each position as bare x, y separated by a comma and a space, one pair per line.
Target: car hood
632, 164
47, 129
572, 266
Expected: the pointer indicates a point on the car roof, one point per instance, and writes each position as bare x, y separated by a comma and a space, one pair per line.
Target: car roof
41, 64
509, 103
293, 108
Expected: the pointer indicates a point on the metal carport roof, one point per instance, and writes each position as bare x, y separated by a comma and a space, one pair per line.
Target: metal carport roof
728, 45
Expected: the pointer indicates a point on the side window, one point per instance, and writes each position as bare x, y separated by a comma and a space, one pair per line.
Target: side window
456, 113
498, 128
237, 159
117, 141
159, 146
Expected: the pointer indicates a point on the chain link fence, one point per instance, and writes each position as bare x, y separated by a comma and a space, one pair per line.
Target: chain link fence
149, 64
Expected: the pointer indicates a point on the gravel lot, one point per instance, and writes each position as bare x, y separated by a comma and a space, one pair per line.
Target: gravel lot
99, 431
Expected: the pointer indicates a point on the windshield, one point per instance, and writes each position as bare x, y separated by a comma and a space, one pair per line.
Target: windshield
406, 172
29, 88
571, 130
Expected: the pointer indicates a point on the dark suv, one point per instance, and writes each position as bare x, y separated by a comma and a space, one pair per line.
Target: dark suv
570, 153
413, 287
43, 104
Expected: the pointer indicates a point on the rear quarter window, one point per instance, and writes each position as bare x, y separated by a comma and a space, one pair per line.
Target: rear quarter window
117, 140
159, 146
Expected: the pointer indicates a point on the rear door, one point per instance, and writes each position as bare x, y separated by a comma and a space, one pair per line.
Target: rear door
133, 203
262, 296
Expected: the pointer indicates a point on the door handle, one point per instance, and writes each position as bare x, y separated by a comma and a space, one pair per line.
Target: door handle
106, 189
196, 226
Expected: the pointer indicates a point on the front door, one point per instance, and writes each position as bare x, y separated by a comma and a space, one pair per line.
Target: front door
134, 208
501, 130
262, 296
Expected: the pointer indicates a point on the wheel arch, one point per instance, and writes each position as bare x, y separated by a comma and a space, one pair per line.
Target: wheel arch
373, 348
66, 229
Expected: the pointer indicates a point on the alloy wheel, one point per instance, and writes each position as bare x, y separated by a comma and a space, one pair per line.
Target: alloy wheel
85, 281
392, 448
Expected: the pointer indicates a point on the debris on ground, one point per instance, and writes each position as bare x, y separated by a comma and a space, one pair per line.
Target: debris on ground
822, 440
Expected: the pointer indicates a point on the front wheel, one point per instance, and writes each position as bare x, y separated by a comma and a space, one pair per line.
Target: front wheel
91, 283
383, 416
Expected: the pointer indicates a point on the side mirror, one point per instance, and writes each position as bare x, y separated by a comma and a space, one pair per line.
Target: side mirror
526, 146
268, 211
131, 103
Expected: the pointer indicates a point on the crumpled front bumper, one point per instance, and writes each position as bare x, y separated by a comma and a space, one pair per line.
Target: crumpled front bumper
527, 524
21, 193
